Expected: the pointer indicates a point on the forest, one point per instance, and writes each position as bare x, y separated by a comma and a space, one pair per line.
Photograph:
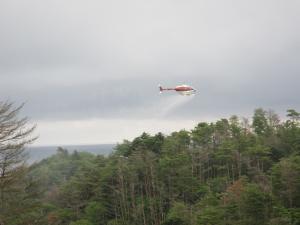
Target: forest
233, 171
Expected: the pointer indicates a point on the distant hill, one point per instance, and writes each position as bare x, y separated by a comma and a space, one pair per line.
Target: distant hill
37, 153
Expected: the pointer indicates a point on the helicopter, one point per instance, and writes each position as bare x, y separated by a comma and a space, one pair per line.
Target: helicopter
181, 89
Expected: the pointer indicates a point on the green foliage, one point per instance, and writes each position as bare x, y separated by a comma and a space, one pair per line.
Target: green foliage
178, 215
293, 115
95, 212
82, 222
210, 215
220, 173
286, 181
255, 205
260, 122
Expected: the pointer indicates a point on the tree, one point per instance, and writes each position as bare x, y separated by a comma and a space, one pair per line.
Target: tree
15, 134
293, 114
95, 212
289, 133
260, 122
255, 205
286, 181
178, 215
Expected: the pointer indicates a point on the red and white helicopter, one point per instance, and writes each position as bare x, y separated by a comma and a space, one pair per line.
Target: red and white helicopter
181, 89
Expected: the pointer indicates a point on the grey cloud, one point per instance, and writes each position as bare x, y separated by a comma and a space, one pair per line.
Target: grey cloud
75, 59
139, 98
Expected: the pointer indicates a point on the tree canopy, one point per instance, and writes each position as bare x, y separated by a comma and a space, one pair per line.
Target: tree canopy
233, 171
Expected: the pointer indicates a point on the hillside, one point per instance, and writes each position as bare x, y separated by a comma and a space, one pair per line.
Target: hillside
230, 172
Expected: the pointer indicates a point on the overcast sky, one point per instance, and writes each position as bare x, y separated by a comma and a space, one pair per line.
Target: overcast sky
88, 70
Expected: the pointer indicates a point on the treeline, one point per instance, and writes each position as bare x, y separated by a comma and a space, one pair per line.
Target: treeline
230, 172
